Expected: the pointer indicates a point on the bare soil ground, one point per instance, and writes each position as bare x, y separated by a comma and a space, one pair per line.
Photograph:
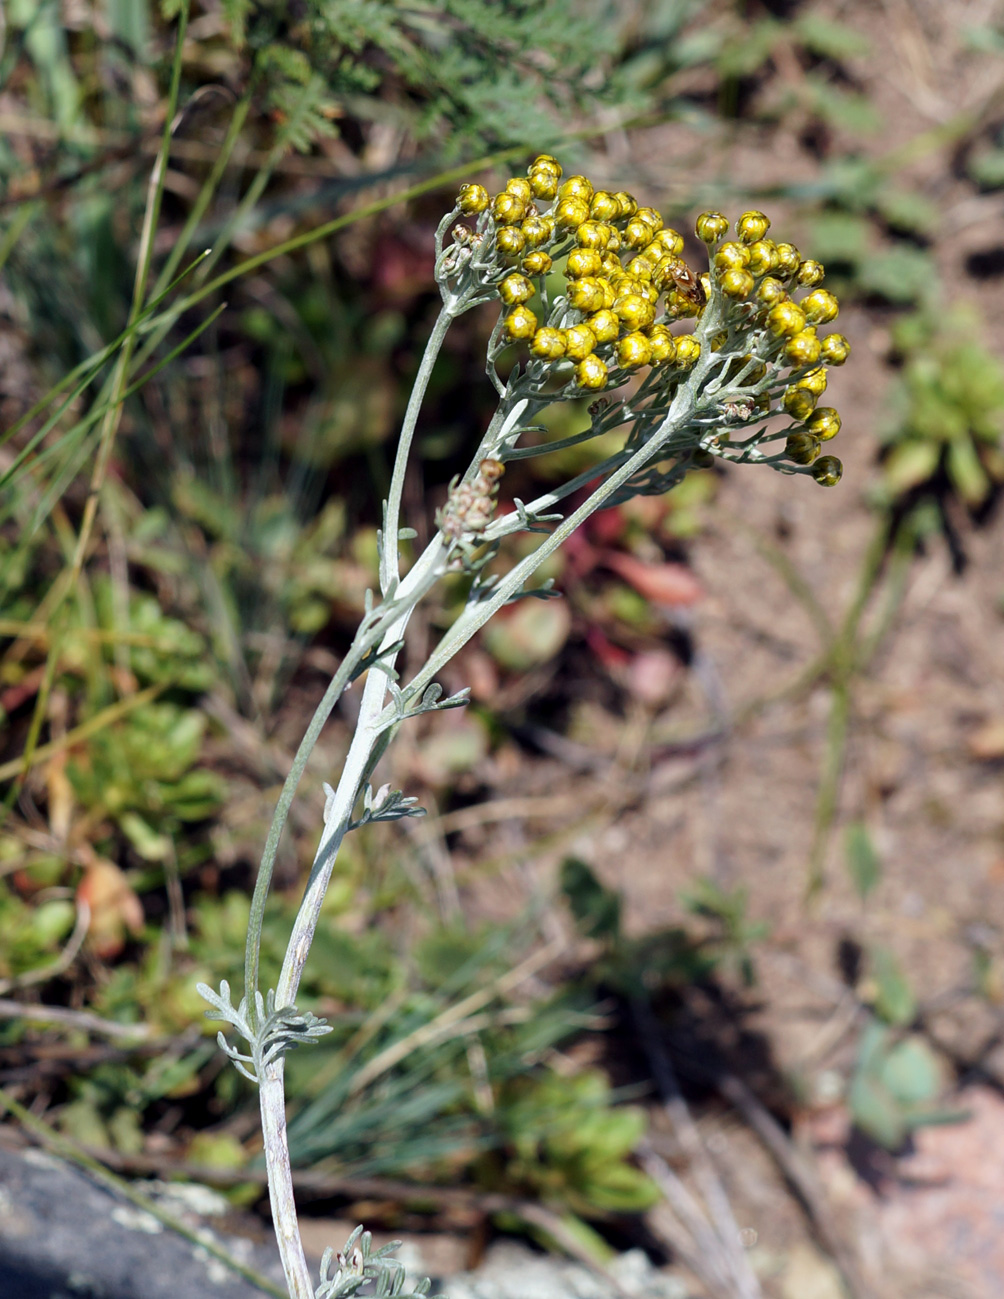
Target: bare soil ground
922, 769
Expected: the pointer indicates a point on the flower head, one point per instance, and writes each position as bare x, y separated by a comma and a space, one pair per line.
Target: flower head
621, 309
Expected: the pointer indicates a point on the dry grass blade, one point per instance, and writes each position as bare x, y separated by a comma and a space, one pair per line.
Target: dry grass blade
714, 1231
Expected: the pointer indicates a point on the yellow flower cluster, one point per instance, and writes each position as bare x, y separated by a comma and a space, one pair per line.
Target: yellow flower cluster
627, 283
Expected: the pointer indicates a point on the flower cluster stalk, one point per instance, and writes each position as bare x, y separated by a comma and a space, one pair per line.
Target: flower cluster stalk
687, 367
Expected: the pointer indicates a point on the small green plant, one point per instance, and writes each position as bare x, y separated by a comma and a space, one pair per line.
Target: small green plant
897, 1077
946, 421
593, 291
571, 1147
728, 908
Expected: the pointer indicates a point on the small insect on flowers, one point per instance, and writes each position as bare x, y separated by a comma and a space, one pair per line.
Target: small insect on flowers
685, 280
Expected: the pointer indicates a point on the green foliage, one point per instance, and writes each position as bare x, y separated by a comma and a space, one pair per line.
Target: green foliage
143, 775
894, 1001
863, 862
737, 933
155, 647
897, 271
30, 936
359, 1265
896, 1079
634, 967
596, 910
946, 411
571, 1146
897, 1076
458, 71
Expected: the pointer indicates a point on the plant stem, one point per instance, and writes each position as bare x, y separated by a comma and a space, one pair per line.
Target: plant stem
272, 1100
369, 727
322, 712
474, 618
389, 569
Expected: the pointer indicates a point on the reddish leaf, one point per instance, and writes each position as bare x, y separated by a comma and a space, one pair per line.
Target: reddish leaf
667, 583
115, 907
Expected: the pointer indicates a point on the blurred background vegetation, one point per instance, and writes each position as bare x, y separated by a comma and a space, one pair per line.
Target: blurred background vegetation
193, 448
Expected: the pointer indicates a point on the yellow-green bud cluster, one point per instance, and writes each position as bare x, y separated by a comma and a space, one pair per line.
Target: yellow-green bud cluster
771, 305
758, 307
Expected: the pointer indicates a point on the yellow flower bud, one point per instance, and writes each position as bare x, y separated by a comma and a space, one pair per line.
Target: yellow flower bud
591, 373
577, 187
771, 291
628, 284
802, 448
508, 208
604, 206
637, 233
520, 323
510, 240
711, 226
785, 319
545, 162
605, 325
732, 256
544, 184
579, 342
472, 199
537, 263
835, 349
516, 288
824, 423
752, 226
827, 471
667, 243
814, 381
820, 306
662, 342
802, 348
583, 261
571, 212
634, 311
640, 267
651, 218
688, 349
586, 294
628, 204
810, 273
798, 402
548, 344
763, 256
737, 283
633, 351
788, 260
520, 187
537, 230
593, 234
